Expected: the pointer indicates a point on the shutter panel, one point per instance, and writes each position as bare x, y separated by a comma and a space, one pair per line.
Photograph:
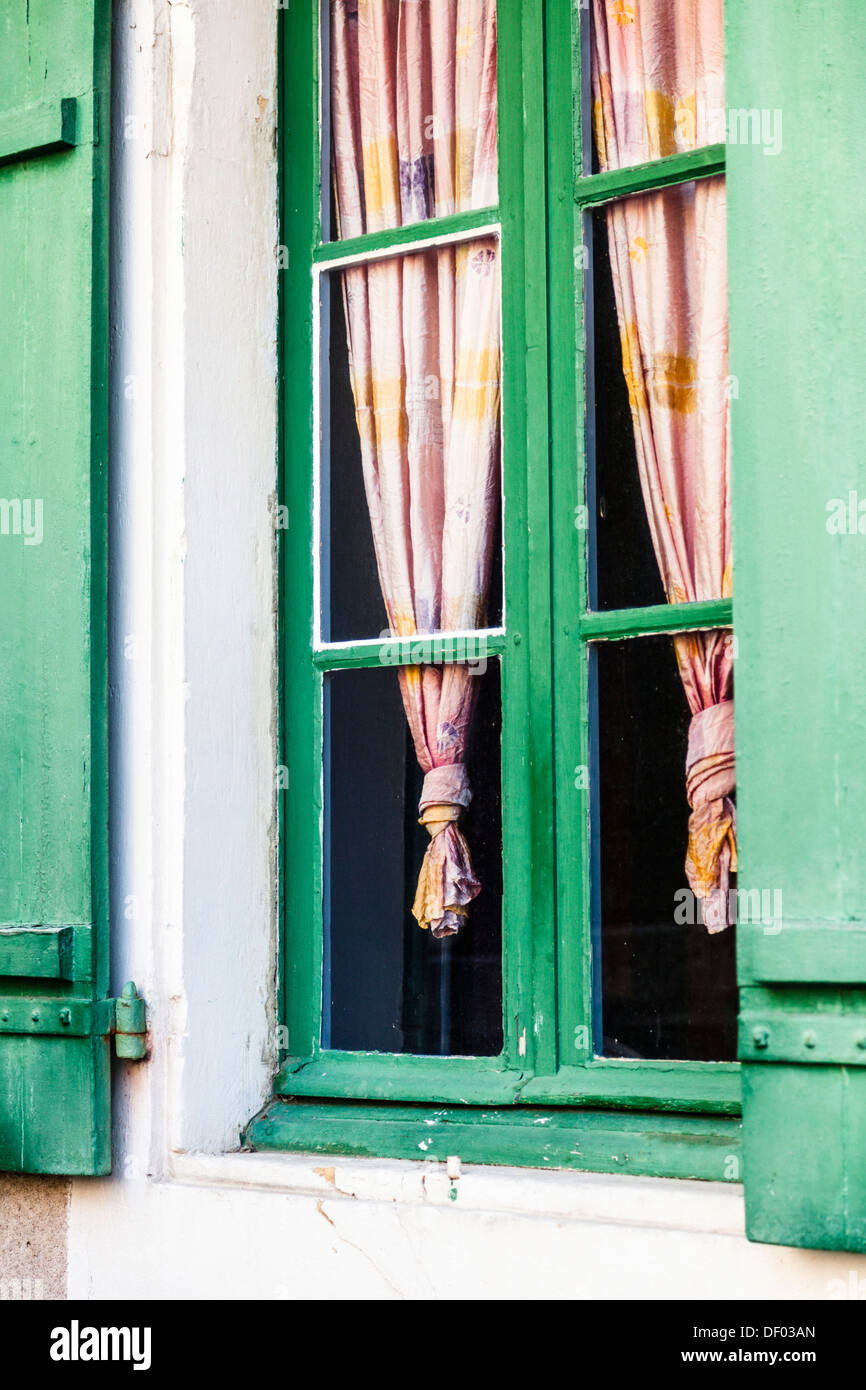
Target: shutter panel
54, 1012
798, 358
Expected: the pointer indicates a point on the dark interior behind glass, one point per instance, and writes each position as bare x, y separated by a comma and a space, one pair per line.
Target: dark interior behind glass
626, 570
389, 986
668, 987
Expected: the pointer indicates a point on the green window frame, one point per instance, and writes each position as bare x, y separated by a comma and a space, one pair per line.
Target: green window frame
708, 1087
546, 1099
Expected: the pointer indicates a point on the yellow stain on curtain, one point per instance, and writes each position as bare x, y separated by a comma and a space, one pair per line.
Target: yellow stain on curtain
661, 125
633, 368
621, 12
675, 382
381, 181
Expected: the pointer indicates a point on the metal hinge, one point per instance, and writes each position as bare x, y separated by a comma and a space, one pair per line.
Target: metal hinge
68, 1016
130, 1025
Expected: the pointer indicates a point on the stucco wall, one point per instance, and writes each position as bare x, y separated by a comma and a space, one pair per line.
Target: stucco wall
33, 1216
256, 1227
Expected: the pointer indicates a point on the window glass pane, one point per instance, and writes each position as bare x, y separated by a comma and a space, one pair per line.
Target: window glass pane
668, 984
658, 79
410, 474
412, 111
352, 603
389, 985
659, 451
625, 569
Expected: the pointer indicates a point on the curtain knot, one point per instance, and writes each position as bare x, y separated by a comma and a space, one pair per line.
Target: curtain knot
447, 882
447, 785
710, 778
710, 757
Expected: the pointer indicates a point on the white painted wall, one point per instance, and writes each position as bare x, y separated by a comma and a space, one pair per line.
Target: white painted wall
252, 1226
193, 737
193, 561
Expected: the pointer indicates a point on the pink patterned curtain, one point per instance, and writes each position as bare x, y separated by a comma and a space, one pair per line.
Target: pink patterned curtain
658, 88
413, 86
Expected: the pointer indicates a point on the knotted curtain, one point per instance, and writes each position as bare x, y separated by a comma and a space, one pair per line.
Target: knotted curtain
658, 88
414, 131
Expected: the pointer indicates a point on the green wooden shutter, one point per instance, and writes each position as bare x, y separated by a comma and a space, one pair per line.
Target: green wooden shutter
798, 355
54, 1013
